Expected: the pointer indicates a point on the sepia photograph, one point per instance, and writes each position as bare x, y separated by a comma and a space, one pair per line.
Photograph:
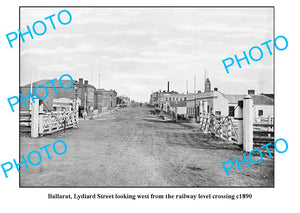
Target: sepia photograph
160, 97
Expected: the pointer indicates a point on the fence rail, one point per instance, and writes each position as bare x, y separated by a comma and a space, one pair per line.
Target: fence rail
219, 126
245, 129
25, 121
38, 122
56, 121
263, 130
226, 128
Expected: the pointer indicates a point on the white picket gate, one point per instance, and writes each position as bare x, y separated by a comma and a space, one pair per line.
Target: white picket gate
55, 121
39, 123
219, 126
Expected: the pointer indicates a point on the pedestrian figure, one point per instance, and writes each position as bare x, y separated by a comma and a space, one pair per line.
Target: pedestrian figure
84, 114
41, 169
64, 120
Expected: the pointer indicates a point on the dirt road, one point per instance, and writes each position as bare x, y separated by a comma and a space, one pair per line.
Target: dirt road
121, 149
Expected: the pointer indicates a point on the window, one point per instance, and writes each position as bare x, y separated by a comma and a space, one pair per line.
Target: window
218, 112
231, 111
260, 112
166, 99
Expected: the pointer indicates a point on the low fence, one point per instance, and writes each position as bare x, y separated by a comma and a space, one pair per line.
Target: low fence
219, 126
263, 130
38, 123
244, 129
227, 128
55, 121
25, 121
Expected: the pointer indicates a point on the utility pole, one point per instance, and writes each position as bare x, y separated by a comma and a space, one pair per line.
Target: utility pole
194, 84
187, 86
31, 85
195, 98
99, 80
204, 78
85, 101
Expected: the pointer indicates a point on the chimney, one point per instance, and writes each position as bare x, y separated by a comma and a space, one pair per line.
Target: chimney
86, 82
251, 92
168, 86
215, 89
80, 81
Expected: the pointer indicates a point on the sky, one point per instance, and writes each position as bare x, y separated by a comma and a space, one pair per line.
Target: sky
136, 51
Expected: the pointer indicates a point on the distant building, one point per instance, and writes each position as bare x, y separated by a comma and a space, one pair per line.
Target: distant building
123, 100
226, 104
163, 99
154, 99
207, 85
88, 96
211, 101
86, 93
179, 107
263, 105
106, 99
215, 102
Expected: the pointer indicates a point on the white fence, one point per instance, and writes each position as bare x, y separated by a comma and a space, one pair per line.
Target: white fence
39, 123
55, 121
219, 126
244, 130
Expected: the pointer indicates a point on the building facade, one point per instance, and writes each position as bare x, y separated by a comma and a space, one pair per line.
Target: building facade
123, 100
88, 96
219, 103
106, 99
211, 101
86, 93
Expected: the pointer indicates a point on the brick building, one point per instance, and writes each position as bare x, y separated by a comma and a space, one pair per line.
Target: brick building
106, 99
87, 95
123, 100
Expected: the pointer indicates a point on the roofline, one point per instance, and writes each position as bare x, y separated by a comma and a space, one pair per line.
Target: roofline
268, 97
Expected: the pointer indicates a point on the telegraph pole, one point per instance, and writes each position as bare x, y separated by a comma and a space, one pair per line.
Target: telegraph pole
99, 80
194, 84
31, 85
187, 86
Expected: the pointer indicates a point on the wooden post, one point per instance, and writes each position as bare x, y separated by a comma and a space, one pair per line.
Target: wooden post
205, 115
41, 117
248, 123
240, 122
41, 124
229, 133
175, 113
41, 106
201, 108
204, 107
206, 125
35, 119
200, 113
